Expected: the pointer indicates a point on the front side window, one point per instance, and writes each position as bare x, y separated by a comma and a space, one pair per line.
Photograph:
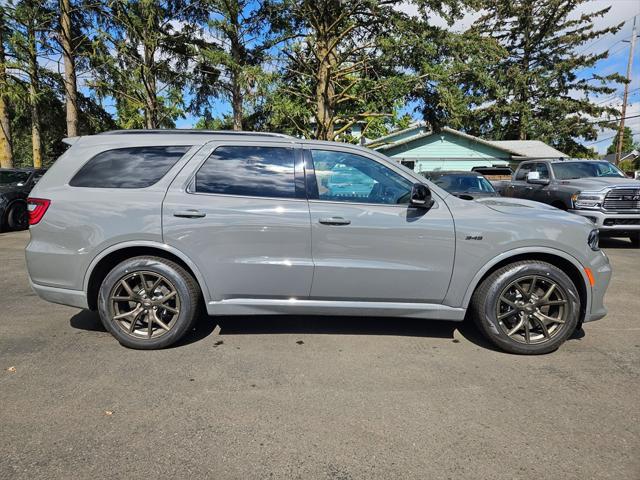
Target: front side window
136, 167
248, 171
346, 177
543, 170
463, 183
523, 171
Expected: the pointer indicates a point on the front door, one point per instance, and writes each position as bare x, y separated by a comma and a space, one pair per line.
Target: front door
239, 212
368, 243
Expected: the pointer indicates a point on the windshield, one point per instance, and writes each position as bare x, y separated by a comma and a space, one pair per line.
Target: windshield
572, 170
464, 183
13, 178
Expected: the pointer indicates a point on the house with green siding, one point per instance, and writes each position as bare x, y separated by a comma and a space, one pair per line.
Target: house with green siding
422, 149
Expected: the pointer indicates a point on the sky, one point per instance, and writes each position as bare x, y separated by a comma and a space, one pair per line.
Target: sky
621, 11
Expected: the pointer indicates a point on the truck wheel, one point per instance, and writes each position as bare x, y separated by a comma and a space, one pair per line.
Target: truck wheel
635, 239
528, 307
148, 302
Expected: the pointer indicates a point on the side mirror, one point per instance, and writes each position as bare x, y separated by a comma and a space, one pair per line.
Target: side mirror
420, 196
534, 177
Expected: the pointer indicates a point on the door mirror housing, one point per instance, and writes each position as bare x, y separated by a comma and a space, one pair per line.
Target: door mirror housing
534, 177
420, 196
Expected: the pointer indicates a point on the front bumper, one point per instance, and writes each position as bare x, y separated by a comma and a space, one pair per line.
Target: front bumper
611, 223
601, 270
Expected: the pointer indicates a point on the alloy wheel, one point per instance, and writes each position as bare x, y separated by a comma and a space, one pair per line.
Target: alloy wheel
532, 309
144, 304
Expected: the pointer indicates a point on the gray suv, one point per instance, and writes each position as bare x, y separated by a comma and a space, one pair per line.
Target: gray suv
147, 226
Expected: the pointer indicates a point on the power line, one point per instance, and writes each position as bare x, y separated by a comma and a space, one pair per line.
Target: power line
608, 138
587, 47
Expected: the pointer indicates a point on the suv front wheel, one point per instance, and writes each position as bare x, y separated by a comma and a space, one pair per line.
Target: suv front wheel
148, 302
528, 307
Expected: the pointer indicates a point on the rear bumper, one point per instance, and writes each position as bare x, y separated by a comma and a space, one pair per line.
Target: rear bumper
63, 296
610, 223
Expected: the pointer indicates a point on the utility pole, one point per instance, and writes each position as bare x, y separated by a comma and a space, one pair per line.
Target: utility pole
626, 92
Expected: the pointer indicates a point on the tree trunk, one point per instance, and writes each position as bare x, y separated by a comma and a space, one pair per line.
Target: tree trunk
6, 150
236, 103
36, 135
151, 113
70, 84
325, 94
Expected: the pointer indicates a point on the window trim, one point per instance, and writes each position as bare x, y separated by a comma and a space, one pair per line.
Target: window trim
188, 154
298, 171
312, 185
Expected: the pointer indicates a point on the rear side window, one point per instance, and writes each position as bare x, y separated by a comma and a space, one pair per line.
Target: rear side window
135, 167
248, 171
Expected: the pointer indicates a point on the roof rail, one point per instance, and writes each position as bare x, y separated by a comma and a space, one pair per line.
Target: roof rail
194, 131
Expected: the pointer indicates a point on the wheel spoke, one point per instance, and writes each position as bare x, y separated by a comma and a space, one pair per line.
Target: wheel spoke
126, 286
143, 281
169, 309
149, 325
504, 315
527, 331
548, 293
545, 331
552, 302
135, 311
121, 299
509, 302
166, 297
155, 285
516, 328
547, 318
532, 286
134, 321
154, 318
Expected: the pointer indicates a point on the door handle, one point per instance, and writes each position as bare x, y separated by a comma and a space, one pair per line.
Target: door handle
189, 214
334, 221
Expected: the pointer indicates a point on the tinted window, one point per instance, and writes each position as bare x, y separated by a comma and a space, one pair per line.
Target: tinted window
9, 177
249, 171
346, 177
569, 170
542, 169
136, 167
463, 183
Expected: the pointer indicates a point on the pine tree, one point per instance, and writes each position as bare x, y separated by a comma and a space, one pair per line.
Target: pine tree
627, 142
6, 148
539, 91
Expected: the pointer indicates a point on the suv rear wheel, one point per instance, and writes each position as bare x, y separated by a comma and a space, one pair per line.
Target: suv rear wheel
528, 307
148, 302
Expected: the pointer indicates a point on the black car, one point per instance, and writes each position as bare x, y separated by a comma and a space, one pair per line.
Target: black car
15, 185
462, 184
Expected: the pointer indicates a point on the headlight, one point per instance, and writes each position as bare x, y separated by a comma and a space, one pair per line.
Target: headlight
587, 200
594, 239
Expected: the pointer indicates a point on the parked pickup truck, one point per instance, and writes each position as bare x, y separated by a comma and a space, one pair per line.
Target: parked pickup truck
594, 189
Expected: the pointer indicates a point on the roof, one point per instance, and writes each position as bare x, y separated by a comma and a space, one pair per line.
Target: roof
529, 148
516, 148
385, 138
611, 157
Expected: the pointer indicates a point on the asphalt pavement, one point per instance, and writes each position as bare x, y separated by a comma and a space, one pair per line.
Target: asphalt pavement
312, 397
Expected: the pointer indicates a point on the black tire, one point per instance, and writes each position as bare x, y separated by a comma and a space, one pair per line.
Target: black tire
187, 294
635, 239
17, 216
485, 306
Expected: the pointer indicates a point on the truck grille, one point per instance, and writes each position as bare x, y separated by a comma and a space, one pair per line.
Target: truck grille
622, 199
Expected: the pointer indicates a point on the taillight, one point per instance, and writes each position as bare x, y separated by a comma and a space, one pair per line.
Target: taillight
37, 209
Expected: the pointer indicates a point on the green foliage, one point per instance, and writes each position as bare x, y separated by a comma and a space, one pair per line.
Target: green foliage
627, 142
537, 92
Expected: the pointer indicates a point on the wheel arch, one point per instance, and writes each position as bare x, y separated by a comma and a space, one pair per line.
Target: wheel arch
110, 257
565, 262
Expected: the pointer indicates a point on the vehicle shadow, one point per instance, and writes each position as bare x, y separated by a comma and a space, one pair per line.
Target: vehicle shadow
316, 325
308, 324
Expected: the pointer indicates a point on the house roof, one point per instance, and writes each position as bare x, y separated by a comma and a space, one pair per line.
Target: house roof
516, 148
611, 157
529, 148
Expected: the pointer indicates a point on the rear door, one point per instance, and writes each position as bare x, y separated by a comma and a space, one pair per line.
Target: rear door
368, 244
239, 212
